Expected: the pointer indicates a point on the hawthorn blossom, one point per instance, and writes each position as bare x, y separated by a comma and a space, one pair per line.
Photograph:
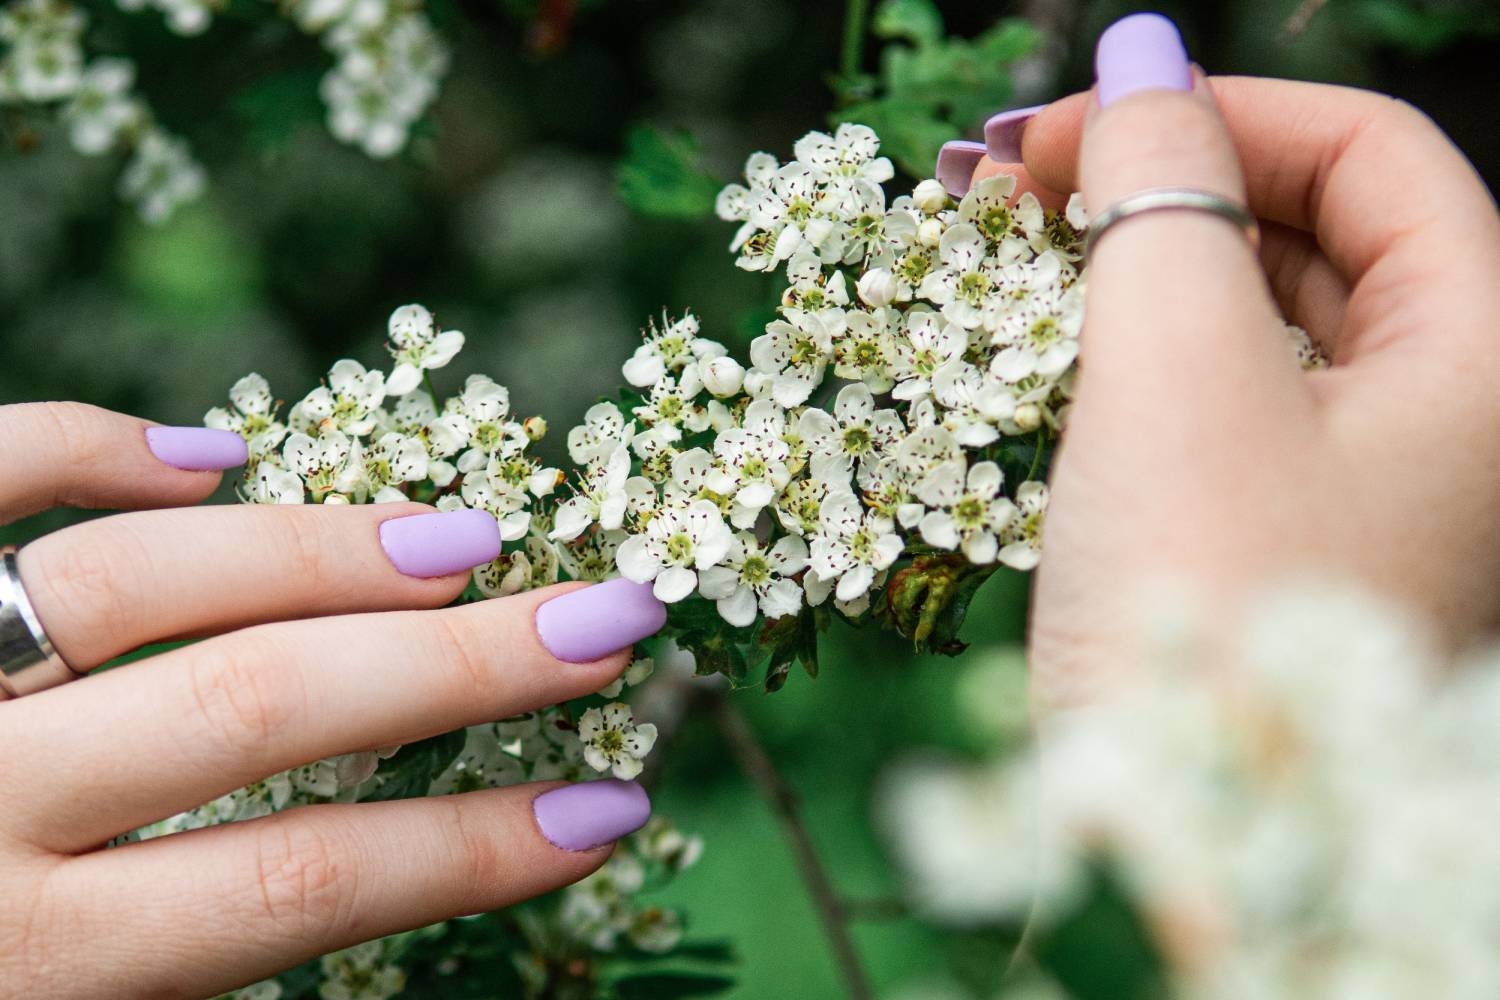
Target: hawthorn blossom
928, 343
417, 346
851, 545
963, 286
753, 578
969, 513
668, 349
1023, 535
252, 415
377, 470
613, 741
602, 432
102, 108
851, 152
321, 461
677, 544
795, 351
348, 403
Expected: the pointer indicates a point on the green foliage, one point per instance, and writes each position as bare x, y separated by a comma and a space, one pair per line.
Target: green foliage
1421, 26
410, 772
671, 986
1102, 950
660, 175
930, 87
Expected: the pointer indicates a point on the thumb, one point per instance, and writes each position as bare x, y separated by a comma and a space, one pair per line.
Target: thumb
1178, 306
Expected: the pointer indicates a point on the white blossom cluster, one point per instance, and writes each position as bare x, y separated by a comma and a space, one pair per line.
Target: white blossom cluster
1318, 821
43, 62
911, 341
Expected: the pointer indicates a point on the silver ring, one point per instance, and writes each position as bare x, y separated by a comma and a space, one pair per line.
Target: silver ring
28, 660
1161, 199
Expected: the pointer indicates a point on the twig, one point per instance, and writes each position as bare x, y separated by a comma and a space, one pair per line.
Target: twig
758, 767
1301, 18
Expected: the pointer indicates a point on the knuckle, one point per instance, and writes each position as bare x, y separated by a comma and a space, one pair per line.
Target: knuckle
470, 679
475, 854
304, 876
78, 431
243, 704
84, 579
311, 539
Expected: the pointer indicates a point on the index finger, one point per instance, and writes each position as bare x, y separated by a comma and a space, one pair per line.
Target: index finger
1372, 177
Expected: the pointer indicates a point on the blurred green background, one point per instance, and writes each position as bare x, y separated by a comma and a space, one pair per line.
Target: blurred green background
504, 216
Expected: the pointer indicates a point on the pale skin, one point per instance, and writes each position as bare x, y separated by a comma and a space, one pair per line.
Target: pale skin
1197, 451
316, 645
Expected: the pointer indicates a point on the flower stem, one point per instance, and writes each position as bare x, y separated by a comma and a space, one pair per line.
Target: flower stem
852, 57
832, 910
1036, 459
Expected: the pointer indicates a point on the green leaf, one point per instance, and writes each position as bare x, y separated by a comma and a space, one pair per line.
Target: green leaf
917, 21
1103, 950
671, 986
410, 772
660, 175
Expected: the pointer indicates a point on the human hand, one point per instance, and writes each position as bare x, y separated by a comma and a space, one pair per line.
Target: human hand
308, 657
1196, 450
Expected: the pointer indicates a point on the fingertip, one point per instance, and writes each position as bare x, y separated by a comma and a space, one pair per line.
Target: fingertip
590, 814
1050, 142
956, 163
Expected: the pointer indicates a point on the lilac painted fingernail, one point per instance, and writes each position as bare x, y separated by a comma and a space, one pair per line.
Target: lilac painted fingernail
438, 544
197, 449
955, 165
578, 817
583, 625
1141, 52
1002, 133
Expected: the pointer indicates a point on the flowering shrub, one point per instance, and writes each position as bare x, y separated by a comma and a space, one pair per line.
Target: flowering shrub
389, 63
879, 458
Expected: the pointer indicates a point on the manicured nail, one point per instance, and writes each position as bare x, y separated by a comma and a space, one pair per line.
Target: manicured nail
1002, 133
590, 813
1141, 52
197, 449
438, 544
583, 625
955, 165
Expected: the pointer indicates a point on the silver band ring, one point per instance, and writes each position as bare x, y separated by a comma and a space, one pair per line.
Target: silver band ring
28, 660
1161, 199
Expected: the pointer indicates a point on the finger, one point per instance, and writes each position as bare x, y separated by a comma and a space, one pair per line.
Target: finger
1337, 162
1309, 290
219, 908
107, 586
960, 165
75, 455
1178, 305
209, 718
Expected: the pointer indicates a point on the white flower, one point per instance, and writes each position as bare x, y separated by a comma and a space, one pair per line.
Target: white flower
964, 284
930, 196
360, 973
677, 543
251, 415
160, 176
102, 108
755, 462
417, 346
987, 208
591, 557
1052, 232
795, 351
320, 461
602, 498
377, 470
877, 287
270, 483
667, 350
514, 572
849, 152
1039, 337
671, 404
810, 287
613, 742
641, 667
348, 403
1023, 536
855, 433
851, 545
476, 420
969, 513
888, 491
974, 404
603, 431
44, 57
722, 376
928, 343
753, 577
865, 350
483, 763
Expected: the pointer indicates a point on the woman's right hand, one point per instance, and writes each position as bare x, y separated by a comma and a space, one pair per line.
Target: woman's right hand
1196, 450
327, 635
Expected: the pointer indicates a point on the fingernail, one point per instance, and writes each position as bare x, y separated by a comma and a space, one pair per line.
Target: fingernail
583, 625
197, 449
955, 165
438, 544
1140, 52
578, 817
1002, 133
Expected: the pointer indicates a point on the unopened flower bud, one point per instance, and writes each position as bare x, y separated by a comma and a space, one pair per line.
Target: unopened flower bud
930, 233
1028, 417
535, 428
722, 376
877, 287
929, 196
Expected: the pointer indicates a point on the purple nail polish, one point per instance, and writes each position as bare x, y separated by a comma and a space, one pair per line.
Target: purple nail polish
583, 625
1002, 133
197, 449
438, 544
1141, 52
955, 165
578, 817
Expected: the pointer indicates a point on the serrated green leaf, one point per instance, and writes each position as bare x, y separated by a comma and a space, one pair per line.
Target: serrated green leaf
660, 175
410, 772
